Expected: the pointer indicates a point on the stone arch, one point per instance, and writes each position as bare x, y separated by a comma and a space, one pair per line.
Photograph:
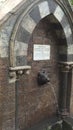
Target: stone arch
31, 17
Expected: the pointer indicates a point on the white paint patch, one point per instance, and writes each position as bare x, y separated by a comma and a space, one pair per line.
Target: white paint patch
41, 52
44, 9
67, 31
59, 13
28, 24
20, 48
3, 51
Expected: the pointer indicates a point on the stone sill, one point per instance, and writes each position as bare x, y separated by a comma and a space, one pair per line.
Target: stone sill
16, 72
17, 68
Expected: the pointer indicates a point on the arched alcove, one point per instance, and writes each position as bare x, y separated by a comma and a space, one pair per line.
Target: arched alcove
48, 31
21, 47
38, 99
21, 55
22, 102
28, 21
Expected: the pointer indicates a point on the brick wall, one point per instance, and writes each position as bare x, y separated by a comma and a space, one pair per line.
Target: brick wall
7, 98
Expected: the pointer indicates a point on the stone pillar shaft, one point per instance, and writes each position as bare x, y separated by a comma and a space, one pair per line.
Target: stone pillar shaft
65, 89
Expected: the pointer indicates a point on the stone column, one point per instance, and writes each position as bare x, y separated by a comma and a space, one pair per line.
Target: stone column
65, 88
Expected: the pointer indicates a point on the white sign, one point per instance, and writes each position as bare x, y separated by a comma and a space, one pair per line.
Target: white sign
41, 52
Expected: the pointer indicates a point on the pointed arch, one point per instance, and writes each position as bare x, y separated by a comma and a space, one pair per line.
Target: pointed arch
29, 19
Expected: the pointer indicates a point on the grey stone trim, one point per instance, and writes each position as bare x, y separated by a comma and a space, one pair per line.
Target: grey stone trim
22, 35
64, 21
52, 5
44, 9
70, 49
68, 33
41, 11
4, 51
35, 14
5, 34
28, 24
58, 13
67, 30
21, 60
20, 48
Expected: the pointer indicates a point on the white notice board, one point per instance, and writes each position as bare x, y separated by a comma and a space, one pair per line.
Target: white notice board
41, 52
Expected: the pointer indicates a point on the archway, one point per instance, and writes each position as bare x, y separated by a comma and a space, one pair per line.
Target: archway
32, 17
20, 43
46, 95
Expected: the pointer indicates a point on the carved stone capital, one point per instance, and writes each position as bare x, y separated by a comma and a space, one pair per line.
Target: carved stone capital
65, 66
